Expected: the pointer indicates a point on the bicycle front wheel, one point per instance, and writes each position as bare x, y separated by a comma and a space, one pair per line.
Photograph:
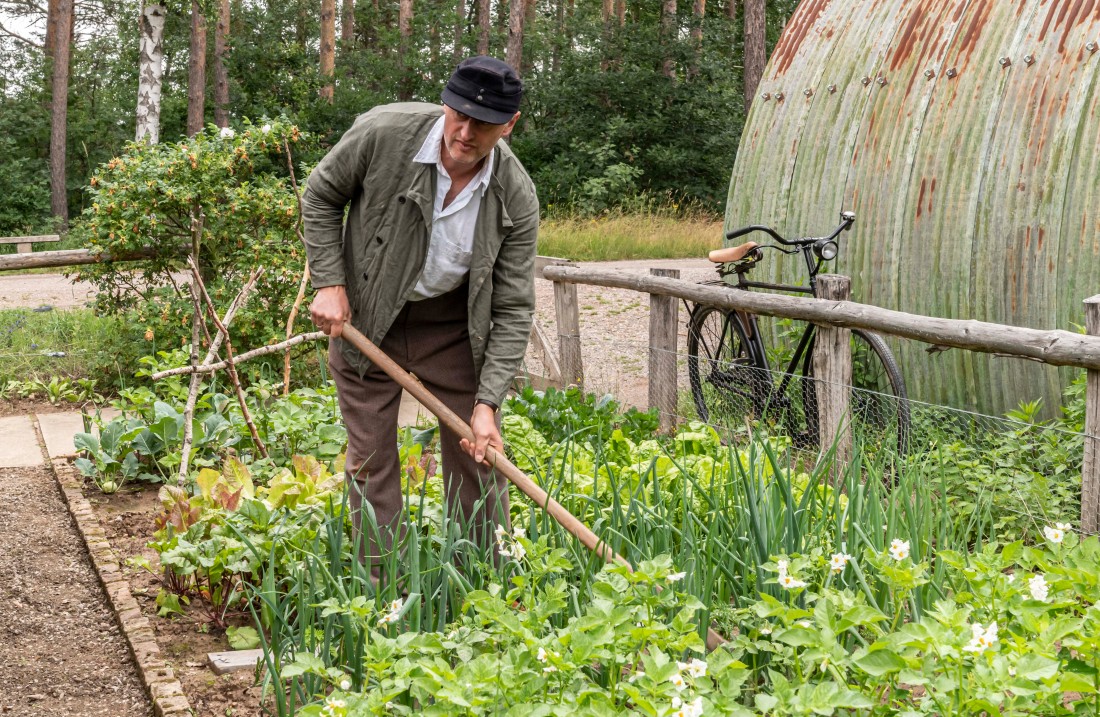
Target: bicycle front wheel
723, 369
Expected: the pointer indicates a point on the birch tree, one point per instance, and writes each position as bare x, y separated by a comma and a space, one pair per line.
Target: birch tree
150, 72
668, 33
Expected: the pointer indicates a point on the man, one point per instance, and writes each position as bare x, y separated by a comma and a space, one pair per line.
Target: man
434, 264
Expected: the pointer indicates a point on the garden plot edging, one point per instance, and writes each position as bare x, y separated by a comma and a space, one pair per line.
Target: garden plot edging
159, 679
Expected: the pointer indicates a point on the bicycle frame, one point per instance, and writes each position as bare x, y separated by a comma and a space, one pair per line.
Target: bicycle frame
765, 395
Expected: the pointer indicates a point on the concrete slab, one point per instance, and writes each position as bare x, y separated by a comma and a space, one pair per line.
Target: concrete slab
58, 430
18, 443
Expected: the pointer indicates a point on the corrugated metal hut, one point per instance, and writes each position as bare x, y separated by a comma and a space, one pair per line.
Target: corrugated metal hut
964, 134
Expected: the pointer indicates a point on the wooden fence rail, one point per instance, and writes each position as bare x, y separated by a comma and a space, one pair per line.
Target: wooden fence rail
1055, 347
65, 257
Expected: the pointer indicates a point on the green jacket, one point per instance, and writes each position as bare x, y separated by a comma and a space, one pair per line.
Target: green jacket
378, 254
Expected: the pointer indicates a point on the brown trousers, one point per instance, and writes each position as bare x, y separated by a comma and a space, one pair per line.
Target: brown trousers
430, 339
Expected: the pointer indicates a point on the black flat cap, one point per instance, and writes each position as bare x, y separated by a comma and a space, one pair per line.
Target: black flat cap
484, 88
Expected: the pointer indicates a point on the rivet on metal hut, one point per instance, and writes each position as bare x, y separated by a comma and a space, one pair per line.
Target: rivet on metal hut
964, 134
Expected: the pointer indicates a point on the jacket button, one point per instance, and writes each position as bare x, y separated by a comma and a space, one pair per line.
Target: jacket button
365, 277
378, 240
401, 200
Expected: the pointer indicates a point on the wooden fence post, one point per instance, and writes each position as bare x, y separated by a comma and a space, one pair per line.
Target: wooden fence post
1090, 469
663, 333
569, 333
832, 365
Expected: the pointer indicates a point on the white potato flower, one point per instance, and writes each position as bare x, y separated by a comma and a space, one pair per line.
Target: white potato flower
695, 668
899, 549
1039, 588
227, 132
838, 561
790, 582
676, 577
982, 639
1058, 533
691, 709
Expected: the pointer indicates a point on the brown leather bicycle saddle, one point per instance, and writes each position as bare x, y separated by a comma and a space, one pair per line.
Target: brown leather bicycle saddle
731, 253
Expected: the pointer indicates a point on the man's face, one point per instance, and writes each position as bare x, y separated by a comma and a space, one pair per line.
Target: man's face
467, 141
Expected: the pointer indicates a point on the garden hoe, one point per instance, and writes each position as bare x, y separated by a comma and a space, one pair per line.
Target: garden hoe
493, 458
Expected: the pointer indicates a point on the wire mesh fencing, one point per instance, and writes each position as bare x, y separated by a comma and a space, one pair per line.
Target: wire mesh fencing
1008, 474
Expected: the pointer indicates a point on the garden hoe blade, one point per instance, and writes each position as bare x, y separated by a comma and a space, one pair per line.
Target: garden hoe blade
493, 458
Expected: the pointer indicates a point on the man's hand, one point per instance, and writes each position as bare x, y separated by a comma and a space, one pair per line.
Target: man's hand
330, 309
484, 425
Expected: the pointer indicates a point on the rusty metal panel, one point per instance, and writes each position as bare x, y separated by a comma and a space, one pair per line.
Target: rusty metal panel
955, 141
1026, 181
972, 170
1079, 243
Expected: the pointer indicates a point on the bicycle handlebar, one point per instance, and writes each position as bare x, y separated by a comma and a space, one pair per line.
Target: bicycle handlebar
846, 220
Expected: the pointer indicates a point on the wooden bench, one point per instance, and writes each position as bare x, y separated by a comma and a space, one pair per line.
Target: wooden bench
23, 244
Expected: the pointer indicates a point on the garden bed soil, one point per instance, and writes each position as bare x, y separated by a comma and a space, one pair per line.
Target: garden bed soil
61, 651
185, 641
27, 406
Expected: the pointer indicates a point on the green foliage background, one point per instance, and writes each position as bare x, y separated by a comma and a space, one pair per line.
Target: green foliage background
603, 127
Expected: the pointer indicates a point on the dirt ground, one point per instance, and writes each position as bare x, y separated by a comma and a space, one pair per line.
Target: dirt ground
185, 641
61, 652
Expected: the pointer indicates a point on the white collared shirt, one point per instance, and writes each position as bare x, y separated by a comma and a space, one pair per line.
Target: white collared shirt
452, 242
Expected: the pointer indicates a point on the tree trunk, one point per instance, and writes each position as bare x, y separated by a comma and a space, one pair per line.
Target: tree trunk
755, 55
196, 72
668, 32
460, 25
529, 15
347, 23
51, 29
328, 48
404, 28
513, 52
698, 10
433, 39
59, 109
150, 73
221, 68
620, 12
484, 26
731, 10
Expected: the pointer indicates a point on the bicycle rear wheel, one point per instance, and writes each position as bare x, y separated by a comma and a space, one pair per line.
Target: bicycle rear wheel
727, 385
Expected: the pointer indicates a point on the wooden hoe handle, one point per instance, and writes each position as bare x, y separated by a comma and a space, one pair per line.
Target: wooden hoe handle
493, 458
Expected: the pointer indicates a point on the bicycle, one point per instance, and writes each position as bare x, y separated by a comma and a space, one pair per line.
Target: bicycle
731, 375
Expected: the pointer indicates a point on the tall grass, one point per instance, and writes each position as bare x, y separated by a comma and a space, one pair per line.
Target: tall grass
723, 530
629, 236
74, 343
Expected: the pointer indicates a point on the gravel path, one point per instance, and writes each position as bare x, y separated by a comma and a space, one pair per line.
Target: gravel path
615, 328
61, 652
